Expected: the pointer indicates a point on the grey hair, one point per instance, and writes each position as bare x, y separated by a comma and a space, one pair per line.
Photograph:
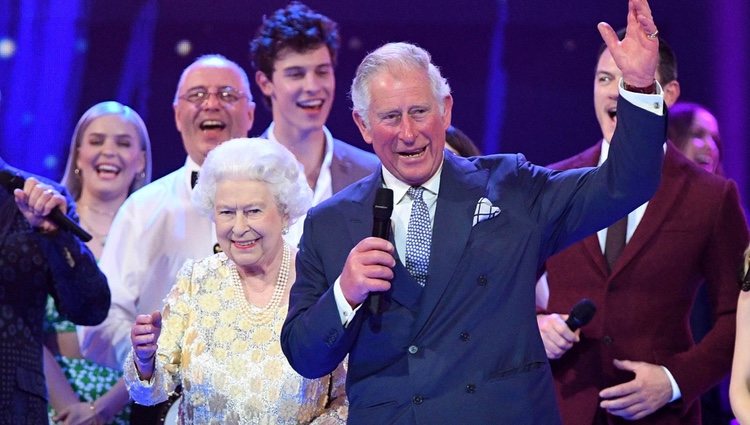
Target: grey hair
218, 61
71, 180
395, 57
260, 160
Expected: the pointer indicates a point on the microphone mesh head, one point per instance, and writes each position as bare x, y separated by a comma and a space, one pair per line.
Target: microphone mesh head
583, 312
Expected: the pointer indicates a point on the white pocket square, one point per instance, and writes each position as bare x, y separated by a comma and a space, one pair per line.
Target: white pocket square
485, 211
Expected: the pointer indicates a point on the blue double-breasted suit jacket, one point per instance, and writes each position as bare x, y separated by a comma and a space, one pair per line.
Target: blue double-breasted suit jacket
465, 348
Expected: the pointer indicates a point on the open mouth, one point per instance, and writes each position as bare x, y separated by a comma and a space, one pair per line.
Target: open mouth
311, 105
212, 125
107, 170
703, 159
245, 244
612, 113
413, 154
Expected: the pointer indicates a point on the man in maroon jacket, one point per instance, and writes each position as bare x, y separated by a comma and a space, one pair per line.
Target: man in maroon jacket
637, 359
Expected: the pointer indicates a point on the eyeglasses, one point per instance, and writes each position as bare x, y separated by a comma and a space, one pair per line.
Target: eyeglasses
226, 95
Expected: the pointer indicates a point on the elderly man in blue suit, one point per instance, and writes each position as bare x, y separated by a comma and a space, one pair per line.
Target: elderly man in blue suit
453, 337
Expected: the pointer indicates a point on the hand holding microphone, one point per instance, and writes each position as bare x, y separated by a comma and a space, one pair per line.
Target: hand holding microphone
559, 335
41, 204
368, 269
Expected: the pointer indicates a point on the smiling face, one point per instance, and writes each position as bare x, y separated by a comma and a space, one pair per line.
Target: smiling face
109, 157
702, 147
248, 224
404, 124
301, 89
203, 126
606, 79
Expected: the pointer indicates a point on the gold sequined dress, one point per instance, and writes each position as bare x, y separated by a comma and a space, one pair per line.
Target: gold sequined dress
226, 354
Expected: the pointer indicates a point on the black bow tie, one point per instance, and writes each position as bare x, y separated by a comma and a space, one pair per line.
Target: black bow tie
193, 178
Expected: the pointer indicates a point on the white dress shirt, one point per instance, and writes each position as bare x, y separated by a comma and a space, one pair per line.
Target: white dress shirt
155, 231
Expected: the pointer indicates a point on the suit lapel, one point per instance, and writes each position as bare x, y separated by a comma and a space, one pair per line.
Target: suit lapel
340, 166
461, 186
673, 180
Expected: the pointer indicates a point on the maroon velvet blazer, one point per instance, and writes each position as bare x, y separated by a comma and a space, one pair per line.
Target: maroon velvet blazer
693, 231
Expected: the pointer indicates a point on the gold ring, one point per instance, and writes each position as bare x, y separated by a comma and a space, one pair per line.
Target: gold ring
653, 35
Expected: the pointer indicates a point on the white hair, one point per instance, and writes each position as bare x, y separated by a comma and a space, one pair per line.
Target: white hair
258, 160
395, 57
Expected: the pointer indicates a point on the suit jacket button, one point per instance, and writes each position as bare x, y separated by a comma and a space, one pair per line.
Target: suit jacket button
607, 340
464, 336
413, 349
471, 388
482, 280
417, 399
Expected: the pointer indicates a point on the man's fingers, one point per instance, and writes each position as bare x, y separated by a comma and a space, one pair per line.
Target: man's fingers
377, 285
608, 35
372, 243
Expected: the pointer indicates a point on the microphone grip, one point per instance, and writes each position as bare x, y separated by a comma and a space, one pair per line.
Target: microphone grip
65, 223
380, 229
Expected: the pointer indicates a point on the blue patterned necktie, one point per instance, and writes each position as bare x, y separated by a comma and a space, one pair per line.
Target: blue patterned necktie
418, 237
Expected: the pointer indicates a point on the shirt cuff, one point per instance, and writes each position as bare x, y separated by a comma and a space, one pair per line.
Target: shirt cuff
650, 102
675, 389
346, 313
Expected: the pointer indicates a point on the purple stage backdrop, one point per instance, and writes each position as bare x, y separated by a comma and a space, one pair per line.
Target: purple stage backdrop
521, 71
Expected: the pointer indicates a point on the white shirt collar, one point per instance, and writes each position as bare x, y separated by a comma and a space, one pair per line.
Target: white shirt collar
399, 188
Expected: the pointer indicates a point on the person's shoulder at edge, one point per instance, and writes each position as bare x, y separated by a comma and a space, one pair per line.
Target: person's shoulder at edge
345, 149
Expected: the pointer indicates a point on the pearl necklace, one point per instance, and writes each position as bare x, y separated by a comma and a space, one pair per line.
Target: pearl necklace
269, 311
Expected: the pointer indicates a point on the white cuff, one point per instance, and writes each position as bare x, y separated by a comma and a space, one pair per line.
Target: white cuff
675, 389
346, 313
650, 102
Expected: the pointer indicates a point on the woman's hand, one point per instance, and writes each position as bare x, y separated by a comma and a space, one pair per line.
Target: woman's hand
144, 335
80, 413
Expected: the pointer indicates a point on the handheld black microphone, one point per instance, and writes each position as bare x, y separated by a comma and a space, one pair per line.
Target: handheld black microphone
381, 228
11, 181
581, 314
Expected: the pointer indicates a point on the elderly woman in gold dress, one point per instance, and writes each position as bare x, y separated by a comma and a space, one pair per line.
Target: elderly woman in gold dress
218, 334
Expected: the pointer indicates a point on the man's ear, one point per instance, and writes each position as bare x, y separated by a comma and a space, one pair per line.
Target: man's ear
265, 85
362, 126
671, 92
447, 111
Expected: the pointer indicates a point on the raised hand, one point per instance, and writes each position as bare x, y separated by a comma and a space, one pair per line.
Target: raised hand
637, 55
556, 335
144, 336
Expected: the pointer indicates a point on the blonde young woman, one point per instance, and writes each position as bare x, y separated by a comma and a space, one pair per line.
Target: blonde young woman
110, 157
